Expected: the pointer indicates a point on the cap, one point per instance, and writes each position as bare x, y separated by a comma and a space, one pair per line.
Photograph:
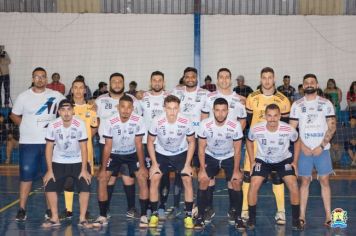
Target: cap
65, 103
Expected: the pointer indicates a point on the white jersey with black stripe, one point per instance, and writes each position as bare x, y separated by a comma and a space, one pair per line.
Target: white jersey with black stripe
273, 147
123, 133
171, 137
220, 139
66, 139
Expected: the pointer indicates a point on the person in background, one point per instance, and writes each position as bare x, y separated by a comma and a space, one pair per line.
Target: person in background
286, 88
56, 85
103, 88
4, 75
351, 99
300, 93
132, 88
334, 94
88, 94
12, 140
241, 88
208, 84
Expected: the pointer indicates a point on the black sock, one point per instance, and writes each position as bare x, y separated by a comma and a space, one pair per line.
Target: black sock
202, 196
188, 208
154, 208
130, 195
295, 212
211, 190
177, 190
110, 190
236, 201
252, 213
143, 205
103, 206
164, 190
231, 199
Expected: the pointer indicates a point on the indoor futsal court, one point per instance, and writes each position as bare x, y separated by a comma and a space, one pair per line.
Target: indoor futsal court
80, 77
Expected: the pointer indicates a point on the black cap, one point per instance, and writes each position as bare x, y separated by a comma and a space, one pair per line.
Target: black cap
65, 103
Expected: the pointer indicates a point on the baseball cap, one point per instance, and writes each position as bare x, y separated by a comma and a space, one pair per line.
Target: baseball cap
65, 103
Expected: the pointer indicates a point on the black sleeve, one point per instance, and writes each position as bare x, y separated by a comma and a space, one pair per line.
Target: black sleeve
285, 119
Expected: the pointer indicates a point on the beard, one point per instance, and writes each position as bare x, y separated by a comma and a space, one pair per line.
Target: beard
220, 121
309, 90
157, 89
117, 92
191, 85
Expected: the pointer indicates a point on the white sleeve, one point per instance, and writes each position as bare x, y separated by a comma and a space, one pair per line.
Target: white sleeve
50, 133
140, 128
107, 130
329, 110
137, 107
17, 108
190, 131
294, 112
201, 130
251, 135
82, 132
153, 129
206, 108
242, 112
294, 135
238, 132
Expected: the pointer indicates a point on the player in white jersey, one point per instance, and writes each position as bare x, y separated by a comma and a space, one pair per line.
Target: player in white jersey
174, 147
32, 111
106, 107
315, 118
220, 148
123, 134
66, 157
236, 112
273, 138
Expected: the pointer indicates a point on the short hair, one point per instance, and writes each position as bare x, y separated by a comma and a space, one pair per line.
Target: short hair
159, 73
286, 77
300, 86
190, 69
79, 79
267, 70
55, 73
171, 98
310, 76
116, 74
102, 84
223, 69
126, 98
38, 69
272, 106
207, 78
133, 83
220, 101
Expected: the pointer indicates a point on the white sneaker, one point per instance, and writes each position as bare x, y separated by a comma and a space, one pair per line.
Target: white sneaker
195, 212
244, 216
100, 221
143, 222
280, 218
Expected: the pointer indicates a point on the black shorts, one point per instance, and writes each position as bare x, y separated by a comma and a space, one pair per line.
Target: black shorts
126, 164
171, 163
213, 166
61, 172
282, 168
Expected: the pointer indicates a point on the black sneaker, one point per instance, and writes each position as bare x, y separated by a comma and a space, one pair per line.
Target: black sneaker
232, 215
48, 214
89, 217
209, 214
251, 224
66, 215
239, 224
298, 225
21, 215
199, 224
132, 213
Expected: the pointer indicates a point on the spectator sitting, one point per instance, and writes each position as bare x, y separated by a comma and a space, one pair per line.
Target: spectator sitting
241, 88
334, 94
286, 88
351, 144
56, 85
132, 88
208, 85
300, 93
103, 88
4, 75
351, 99
87, 94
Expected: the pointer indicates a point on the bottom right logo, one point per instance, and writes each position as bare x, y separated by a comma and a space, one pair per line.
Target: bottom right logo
339, 218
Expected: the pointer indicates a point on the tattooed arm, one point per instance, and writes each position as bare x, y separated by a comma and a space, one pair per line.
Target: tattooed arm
331, 121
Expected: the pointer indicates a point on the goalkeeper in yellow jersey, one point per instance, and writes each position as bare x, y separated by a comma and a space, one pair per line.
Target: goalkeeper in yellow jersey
87, 113
256, 104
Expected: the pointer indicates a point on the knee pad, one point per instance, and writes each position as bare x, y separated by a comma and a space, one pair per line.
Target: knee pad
247, 177
276, 179
69, 184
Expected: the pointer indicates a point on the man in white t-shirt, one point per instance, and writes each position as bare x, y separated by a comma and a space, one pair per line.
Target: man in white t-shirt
272, 138
32, 111
174, 147
315, 118
66, 157
106, 107
237, 112
220, 140
123, 134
